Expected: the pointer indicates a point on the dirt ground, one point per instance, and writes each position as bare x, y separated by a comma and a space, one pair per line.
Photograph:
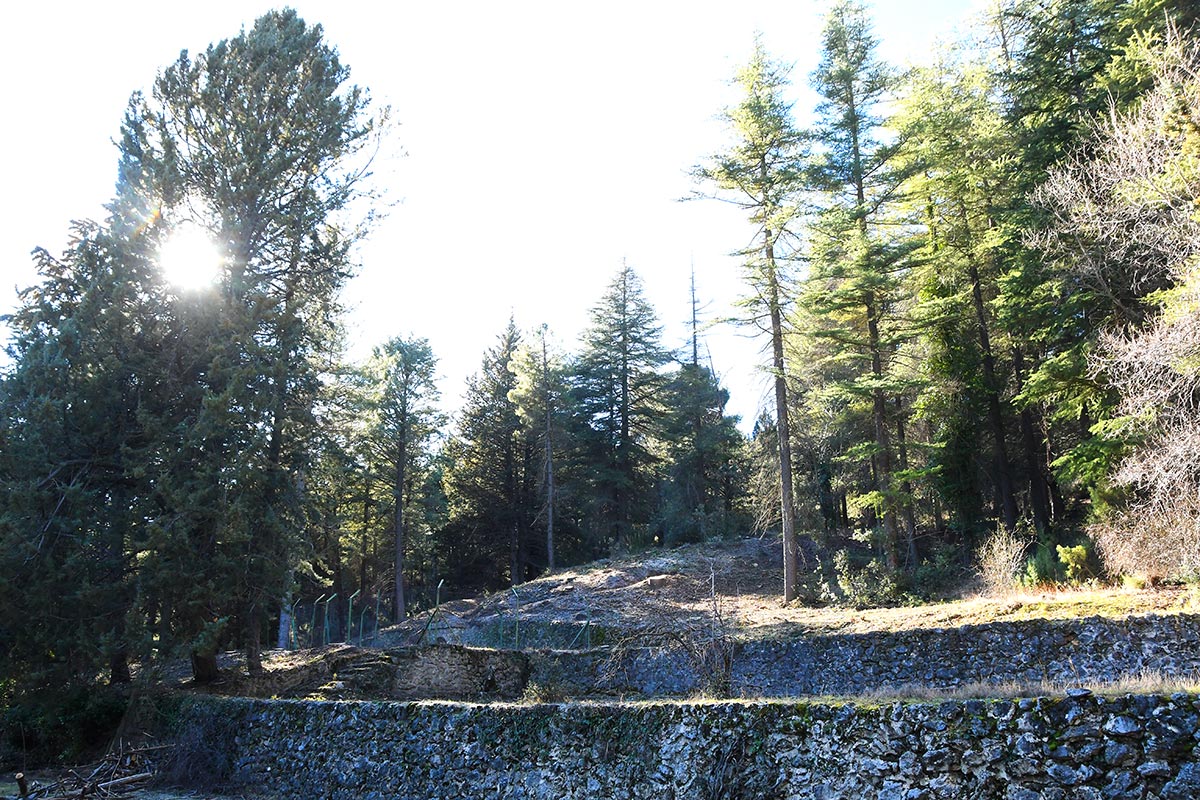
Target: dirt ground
730, 584
739, 583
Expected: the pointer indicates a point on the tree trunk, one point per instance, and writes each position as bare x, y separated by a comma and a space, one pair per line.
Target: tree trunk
339, 579
398, 492
1039, 493
118, 668
910, 519
204, 667
787, 510
1004, 481
549, 457
883, 439
254, 623
883, 476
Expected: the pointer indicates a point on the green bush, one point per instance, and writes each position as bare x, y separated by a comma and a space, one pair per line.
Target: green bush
63, 726
936, 576
868, 586
1042, 568
1075, 563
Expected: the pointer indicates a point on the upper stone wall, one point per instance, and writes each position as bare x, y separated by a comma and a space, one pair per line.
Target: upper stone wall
1088, 651
1080, 652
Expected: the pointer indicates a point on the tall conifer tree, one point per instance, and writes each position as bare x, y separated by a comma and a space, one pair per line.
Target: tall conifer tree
760, 173
852, 285
618, 390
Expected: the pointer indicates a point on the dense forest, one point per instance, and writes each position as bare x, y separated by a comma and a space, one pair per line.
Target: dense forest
975, 283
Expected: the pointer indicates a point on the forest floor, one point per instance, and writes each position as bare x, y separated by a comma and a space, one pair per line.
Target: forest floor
738, 583
735, 584
730, 584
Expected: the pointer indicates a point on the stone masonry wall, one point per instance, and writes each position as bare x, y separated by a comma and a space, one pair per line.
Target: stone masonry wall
1088, 651
1092, 650
1081, 747
1076, 652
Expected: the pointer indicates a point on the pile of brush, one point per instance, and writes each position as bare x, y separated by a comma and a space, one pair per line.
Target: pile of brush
118, 773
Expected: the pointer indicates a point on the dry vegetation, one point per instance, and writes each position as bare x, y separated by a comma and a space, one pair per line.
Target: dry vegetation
678, 587
1125, 216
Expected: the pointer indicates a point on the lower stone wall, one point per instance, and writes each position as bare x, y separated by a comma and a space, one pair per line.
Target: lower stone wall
1081, 747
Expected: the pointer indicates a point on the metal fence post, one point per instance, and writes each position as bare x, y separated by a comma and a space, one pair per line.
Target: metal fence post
327, 602
312, 628
350, 619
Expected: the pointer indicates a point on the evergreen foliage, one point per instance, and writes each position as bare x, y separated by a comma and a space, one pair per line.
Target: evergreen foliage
617, 390
994, 329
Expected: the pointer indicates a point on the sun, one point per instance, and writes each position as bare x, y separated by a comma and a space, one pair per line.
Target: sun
189, 258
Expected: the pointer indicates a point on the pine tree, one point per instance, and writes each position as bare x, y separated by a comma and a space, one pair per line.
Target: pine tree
761, 173
962, 179
256, 140
618, 388
705, 481
492, 483
852, 290
71, 423
405, 421
540, 395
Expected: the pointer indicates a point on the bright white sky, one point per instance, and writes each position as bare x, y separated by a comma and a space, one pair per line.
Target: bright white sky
545, 142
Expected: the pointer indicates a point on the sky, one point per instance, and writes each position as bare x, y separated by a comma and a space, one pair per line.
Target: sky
538, 145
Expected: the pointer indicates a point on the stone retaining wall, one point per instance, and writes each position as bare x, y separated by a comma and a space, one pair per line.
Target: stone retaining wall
1075, 748
1081, 652
1090, 651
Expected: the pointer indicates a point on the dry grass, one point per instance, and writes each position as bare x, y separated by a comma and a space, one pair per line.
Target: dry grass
674, 588
1146, 683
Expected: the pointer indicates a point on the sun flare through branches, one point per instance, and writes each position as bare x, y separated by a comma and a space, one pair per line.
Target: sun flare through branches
189, 258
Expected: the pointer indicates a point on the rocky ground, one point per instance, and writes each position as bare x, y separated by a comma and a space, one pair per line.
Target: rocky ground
724, 590
737, 582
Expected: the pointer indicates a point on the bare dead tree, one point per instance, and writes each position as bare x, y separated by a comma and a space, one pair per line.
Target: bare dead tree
1125, 218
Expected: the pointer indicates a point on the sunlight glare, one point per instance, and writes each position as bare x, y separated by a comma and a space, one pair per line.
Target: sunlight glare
189, 258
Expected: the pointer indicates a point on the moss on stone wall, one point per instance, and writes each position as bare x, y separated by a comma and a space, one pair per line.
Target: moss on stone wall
1081, 746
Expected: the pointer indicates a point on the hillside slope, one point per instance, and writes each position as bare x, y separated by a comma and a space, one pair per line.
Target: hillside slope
735, 585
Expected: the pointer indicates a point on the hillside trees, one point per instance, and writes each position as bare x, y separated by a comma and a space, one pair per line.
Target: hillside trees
72, 433
704, 482
760, 173
961, 182
209, 395
405, 419
493, 478
1061, 65
617, 389
1125, 225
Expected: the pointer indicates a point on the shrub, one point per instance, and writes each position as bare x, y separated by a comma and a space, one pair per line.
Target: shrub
868, 586
1075, 563
1000, 559
935, 576
1041, 569
64, 725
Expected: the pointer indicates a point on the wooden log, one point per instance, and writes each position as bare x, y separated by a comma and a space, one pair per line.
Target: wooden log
141, 776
